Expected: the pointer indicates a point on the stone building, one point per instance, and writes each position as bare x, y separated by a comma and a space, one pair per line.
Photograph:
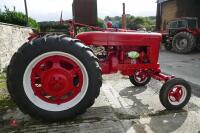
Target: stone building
171, 9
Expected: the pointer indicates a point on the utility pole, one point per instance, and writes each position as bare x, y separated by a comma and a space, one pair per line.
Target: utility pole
61, 18
26, 10
124, 17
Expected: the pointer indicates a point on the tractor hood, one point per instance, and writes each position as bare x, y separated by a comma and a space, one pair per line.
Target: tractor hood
119, 38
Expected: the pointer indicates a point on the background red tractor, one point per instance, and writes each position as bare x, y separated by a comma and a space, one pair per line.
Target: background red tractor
183, 35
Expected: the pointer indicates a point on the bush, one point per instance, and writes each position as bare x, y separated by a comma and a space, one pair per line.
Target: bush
133, 22
101, 23
17, 18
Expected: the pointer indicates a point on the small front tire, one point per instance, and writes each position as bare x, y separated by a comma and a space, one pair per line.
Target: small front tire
140, 78
175, 94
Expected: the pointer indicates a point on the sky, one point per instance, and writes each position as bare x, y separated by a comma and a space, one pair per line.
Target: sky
47, 10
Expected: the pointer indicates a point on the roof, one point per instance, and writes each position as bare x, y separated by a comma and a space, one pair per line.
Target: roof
188, 18
161, 1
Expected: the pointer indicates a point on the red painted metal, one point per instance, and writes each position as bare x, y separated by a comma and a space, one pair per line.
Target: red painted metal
72, 28
96, 37
120, 38
141, 75
32, 36
160, 76
117, 44
56, 79
175, 94
109, 24
120, 43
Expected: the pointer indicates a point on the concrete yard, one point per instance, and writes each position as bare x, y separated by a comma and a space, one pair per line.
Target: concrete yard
185, 66
121, 107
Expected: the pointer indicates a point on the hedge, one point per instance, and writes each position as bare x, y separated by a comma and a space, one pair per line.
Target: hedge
18, 18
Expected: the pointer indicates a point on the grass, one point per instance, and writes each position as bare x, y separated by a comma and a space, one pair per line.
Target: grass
3, 85
6, 102
2, 81
2, 76
5, 99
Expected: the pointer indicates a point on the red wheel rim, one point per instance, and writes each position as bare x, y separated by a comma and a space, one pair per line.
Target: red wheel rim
140, 76
177, 94
56, 79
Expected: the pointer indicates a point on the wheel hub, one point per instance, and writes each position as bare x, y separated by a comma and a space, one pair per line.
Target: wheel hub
56, 82
56, 79
140, 76
182, 44
176, 94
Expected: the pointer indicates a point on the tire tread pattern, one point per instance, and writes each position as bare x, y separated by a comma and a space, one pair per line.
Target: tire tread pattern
20, 60
191, 41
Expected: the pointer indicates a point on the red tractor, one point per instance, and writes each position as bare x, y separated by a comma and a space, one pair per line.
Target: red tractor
183, 35
55, 77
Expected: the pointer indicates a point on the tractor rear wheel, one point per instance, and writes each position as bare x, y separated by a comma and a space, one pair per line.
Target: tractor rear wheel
54, 78
175, 94
183, 42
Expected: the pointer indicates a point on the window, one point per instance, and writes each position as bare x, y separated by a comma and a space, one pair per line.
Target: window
192, 23
173, 24
182, 24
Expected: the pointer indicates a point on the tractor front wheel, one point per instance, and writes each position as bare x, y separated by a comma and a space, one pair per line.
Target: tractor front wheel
140, 78
175, 94
54, 78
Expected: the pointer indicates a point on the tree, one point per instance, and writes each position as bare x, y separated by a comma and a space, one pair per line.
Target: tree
101, 23
133, 22
130, 22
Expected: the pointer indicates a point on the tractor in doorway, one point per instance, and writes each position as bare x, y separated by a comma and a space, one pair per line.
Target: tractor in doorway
55, 77
183, 35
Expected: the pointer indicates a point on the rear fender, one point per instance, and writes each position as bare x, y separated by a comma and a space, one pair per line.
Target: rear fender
33, 36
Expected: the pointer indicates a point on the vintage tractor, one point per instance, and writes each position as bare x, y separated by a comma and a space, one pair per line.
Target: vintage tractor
183, 35
55, 77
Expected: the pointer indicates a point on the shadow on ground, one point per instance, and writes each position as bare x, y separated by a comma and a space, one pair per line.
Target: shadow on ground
104, 119
160, 121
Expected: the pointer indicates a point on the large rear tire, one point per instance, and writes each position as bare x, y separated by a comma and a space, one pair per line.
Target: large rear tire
54, 78
183, 42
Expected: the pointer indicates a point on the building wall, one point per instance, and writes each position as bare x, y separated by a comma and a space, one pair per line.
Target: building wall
11, 38
188, 8
169, 10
